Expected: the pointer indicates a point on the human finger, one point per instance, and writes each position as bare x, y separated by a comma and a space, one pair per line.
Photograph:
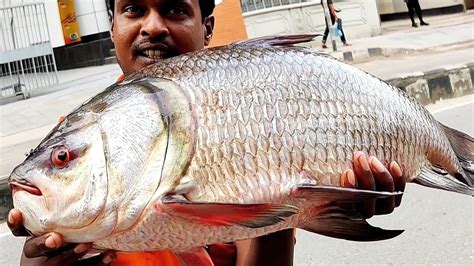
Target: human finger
41, 245
383, 182
348, 179
364, 180
104, 259
108, 257
399, 180
362, 171
15, 223
70, 257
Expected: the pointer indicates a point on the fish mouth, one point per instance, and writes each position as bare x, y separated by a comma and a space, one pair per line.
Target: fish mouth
25, 186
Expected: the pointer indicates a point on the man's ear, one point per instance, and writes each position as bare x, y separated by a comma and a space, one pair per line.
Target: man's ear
208, 29
111, 30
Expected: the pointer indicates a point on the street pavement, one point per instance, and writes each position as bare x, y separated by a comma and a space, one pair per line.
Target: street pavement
447, 41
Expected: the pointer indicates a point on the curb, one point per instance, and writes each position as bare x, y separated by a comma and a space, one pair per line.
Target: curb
431, 86
363, 55
426, 87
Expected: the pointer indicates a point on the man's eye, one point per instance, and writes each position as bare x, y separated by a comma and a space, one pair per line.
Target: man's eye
177, 11
133, 9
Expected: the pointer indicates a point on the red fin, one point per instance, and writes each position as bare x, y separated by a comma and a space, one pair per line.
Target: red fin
196, 257
223, 214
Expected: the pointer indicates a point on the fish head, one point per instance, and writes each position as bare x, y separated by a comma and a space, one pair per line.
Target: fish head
61, 185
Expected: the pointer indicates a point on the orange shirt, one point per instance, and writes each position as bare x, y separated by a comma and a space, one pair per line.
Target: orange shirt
120, 78
159, 258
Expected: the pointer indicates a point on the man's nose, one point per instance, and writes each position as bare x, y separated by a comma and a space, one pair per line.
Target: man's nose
154, 25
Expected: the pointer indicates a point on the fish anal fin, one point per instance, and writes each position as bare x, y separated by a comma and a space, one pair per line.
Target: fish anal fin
195, 257
227, 214
437, 178
336, 222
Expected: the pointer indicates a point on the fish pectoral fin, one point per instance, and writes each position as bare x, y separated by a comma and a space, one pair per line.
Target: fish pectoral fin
341, 223
195, 257
226, 214
338, 194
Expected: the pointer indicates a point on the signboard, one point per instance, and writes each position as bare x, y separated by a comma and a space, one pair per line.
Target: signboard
69, 23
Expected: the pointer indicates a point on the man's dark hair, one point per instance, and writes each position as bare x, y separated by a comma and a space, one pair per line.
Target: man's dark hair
207, 7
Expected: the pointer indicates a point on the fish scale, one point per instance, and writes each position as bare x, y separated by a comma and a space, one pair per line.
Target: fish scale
365, 101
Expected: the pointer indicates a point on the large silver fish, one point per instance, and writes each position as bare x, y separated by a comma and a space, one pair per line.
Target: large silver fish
230, 143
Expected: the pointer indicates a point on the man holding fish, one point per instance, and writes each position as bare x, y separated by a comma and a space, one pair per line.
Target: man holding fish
145, 32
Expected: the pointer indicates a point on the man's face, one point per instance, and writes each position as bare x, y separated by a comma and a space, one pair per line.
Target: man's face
147, 31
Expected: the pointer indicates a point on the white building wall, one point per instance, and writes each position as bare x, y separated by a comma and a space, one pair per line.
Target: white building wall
54, 28
91, 16
359, 19
399, 6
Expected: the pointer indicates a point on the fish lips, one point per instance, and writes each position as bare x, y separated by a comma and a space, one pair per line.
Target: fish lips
19, 184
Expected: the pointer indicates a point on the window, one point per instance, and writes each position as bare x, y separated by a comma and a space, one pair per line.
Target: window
251, 5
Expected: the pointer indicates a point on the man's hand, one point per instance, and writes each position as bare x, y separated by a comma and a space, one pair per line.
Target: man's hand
50, 248
371, 174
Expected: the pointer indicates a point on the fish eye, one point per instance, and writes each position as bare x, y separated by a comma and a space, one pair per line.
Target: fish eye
60, 157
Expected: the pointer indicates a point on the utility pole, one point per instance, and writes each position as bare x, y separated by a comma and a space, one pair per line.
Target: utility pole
329, 23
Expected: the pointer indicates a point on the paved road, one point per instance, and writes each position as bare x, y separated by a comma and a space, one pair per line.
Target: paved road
400, 65
438, 224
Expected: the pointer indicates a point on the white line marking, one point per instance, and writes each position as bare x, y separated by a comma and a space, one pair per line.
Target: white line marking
451, 107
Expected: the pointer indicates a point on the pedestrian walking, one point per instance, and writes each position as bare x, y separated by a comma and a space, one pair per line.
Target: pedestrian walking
414, 6
334, 18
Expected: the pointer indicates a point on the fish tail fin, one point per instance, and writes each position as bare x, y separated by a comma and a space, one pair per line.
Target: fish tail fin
463, 146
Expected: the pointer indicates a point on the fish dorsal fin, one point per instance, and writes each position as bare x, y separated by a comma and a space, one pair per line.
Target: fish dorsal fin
278, 40
226, 214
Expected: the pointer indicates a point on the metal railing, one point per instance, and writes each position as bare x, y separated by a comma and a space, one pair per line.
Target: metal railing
26, 56
252, 5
